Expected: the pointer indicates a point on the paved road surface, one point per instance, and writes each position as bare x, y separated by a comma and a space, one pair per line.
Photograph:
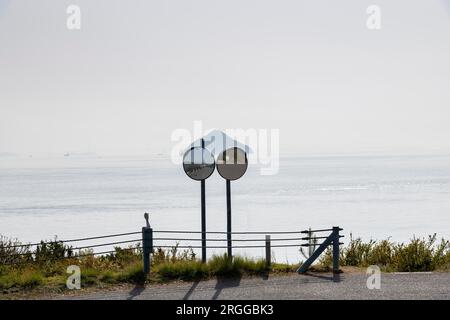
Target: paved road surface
350, 286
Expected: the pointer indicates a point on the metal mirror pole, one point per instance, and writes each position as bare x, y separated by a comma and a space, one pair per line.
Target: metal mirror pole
199, 165
203, 205
230, 254
203, 222
231, 170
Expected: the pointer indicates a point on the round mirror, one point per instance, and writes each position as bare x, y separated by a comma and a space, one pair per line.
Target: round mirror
232, 163
198, 163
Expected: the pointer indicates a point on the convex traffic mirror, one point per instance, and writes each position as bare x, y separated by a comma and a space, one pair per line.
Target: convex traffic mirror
198, 163
232, 163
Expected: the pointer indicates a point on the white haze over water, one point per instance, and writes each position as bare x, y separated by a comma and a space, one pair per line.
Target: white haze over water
370, 196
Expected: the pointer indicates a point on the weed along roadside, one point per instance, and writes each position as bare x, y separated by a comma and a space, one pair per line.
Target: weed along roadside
44, 270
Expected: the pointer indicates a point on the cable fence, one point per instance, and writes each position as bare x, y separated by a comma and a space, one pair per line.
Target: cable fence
150, 240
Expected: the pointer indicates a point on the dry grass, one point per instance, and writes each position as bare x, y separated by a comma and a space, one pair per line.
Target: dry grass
417, 255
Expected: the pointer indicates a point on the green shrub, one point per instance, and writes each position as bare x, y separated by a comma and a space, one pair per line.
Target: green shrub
219, 266
6, 281
133, 273
381, 253
418, 255
14, 252
444, 264
250, 266
126, 256
357, 253
172, 255
21, 279
223, 266
48, 252
283, 268
30, 279
108, 277
183, 270
89, 276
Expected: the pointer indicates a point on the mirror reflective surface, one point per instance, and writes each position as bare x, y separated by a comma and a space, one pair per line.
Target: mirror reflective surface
198, 163
232, 163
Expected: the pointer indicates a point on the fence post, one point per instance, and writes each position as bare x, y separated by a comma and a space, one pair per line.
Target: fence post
147, 247
312, 243
268, 251
336, 249
332, 239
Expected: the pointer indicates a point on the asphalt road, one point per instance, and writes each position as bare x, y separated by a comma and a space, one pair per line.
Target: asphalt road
317, 286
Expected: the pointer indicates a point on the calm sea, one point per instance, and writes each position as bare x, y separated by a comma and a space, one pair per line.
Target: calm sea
371, 197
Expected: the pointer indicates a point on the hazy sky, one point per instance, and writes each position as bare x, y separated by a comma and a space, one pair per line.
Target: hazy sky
137, 70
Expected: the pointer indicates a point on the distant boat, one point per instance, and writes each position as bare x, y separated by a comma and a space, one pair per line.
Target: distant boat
80, 154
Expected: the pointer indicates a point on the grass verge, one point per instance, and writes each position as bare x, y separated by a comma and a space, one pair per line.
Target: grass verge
420, 254
22, 270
